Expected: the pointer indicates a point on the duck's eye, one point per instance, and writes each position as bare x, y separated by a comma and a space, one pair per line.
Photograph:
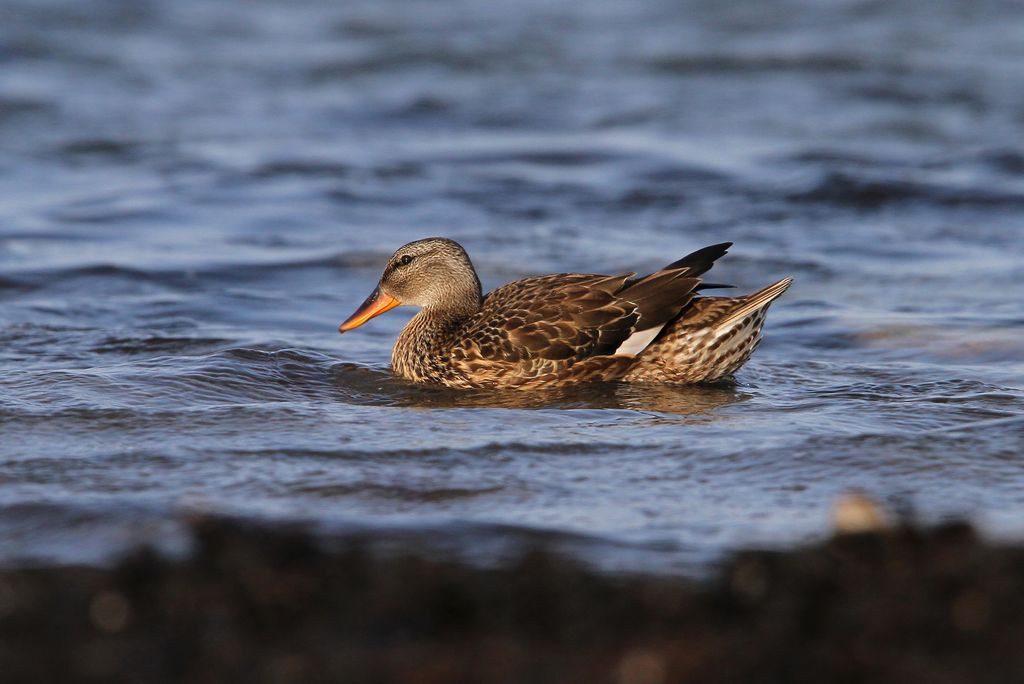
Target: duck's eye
406, 260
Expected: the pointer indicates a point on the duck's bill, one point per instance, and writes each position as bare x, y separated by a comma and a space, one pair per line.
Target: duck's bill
377, 303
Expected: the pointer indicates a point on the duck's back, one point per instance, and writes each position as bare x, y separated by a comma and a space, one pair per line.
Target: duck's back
567, 328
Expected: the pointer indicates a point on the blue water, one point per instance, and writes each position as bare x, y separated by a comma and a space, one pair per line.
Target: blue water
193, 194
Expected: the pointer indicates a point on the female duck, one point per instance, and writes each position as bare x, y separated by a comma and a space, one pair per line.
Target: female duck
562, 329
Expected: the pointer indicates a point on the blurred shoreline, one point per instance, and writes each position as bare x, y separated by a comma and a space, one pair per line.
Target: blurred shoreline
266, 603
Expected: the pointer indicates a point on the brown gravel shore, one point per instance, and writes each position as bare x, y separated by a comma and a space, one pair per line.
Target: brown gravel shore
263, 604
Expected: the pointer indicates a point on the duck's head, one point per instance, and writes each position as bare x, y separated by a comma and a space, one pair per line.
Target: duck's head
435, 274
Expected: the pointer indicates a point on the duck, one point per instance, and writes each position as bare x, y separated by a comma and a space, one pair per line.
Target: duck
566, 328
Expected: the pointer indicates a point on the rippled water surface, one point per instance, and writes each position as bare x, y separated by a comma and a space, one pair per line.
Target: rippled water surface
193, 194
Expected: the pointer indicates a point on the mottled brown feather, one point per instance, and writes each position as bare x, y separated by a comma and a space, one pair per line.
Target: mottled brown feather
710, 340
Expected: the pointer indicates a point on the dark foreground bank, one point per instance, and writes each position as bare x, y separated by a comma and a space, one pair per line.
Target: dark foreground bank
259, 604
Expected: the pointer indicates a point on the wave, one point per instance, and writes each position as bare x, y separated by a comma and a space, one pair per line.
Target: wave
844, 189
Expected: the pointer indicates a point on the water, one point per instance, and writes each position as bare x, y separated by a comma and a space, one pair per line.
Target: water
196, 193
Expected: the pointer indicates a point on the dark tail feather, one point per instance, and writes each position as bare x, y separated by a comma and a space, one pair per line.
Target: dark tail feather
712, 286
660, 296
700, 261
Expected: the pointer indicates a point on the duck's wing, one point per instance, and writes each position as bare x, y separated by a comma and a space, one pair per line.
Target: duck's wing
565, 325
559, 317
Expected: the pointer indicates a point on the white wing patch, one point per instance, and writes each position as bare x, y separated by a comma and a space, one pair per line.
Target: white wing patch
638, 341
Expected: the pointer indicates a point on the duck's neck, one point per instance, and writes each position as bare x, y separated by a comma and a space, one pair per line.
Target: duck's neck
423, 349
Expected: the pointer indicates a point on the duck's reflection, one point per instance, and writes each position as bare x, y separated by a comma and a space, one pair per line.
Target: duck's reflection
362, 385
